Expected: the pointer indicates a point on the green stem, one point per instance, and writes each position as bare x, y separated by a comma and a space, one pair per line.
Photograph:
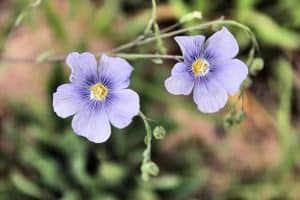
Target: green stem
148, 139
147, 56
61, 58
140, 41
153, 18
188, 29
148, 167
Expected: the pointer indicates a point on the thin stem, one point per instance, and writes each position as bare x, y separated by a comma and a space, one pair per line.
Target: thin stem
141, 40
148, 167
148, 139
60, 58
164, 35
219, 21
148, 56
153, 18
31, 60
169, 28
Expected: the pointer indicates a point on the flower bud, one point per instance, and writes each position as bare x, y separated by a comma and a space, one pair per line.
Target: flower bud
159, 132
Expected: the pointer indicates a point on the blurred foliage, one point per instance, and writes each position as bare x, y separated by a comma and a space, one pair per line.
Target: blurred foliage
41, 158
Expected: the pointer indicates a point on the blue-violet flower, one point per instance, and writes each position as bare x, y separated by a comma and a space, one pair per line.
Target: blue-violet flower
97, 96
209, 69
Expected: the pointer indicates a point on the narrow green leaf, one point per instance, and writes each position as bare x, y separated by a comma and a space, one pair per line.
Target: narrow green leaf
25, 185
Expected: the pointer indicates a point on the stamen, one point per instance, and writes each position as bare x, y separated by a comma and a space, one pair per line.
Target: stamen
98, 91
200, 67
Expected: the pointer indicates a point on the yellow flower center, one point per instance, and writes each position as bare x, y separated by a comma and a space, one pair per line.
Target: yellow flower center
200, 67
98, 91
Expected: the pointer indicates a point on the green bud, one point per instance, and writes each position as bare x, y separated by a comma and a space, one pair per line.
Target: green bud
228, 121
157, 61
239, 117
149, 168
152, 168
159, 132
234, 118
256, 66
191, 16
247, 83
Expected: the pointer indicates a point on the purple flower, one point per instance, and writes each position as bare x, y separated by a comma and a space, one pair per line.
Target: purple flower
97, 96
209, 70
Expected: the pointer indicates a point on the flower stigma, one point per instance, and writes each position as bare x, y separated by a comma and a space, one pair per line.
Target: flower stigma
200, 67
98, 91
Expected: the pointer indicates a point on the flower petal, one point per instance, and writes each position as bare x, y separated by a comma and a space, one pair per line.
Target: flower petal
181, 83
92, 125
82, 66
209, 96
117, 69
190, 44
123, 106
179, 68
231, 73
222, 44
66, 100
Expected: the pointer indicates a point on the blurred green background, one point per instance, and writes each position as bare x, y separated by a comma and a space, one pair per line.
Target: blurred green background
41, 158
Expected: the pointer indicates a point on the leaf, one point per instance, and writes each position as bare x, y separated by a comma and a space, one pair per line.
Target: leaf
36, 3
269, 32
166, 182
25, 185
112, 173
54, 21
102, 21
19, 19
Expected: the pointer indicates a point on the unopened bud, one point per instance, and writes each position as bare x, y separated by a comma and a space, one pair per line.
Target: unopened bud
159, 132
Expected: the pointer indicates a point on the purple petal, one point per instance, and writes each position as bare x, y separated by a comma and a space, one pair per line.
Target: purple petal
117, 69
66, 100
222, 44
231, 73
92, 125
82, 65
179, 68
123, 107
209, 96
190, 44
181, 83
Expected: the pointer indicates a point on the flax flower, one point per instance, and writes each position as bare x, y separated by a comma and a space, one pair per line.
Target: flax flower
208, 69
97, 96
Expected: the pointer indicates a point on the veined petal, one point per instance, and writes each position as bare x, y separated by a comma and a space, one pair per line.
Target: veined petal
66, 100
117, 69
179, 67
209, 96
230, 74
190, 45
222, 44
82, 65
124, 105
93, 125
181, 83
